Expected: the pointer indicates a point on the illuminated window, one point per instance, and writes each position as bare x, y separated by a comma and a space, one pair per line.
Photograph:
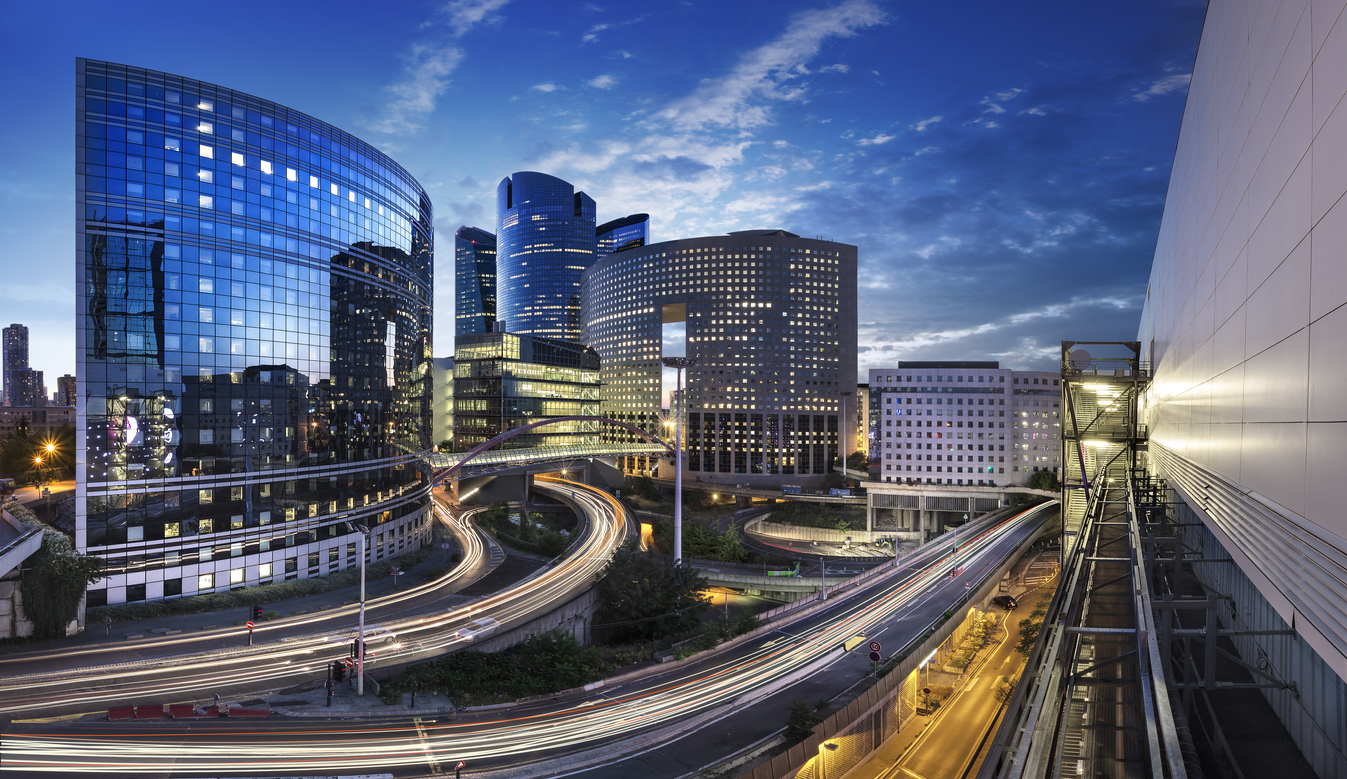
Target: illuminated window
205, 127
206, 151
205, 581
266, 167
313, 181
291, 174
236, 576
236, 158
264, 570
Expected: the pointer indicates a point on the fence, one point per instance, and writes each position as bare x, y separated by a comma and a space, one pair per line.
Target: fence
847, 738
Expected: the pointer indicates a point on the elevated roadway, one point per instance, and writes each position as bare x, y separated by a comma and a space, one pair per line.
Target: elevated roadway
697, 709
184, 672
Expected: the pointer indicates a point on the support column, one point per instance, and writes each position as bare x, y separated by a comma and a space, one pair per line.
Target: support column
870, 515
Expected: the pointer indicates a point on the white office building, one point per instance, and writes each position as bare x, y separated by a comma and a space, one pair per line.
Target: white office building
964, 423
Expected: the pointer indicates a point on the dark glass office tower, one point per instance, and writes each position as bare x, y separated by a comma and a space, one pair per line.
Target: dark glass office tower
474, 281
253, 347
544, 241
621, 234
15, 349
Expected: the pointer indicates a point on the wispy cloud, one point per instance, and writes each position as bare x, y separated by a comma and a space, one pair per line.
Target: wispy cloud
592, 34
741, 99
838, 68
545, 87
603, 82
1163, 86
921, 125
429, 66
876, 141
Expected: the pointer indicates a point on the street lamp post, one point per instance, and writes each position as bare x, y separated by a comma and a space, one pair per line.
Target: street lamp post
360, 628
680, 363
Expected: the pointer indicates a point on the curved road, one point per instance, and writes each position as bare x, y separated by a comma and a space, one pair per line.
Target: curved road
562, 733
283, 662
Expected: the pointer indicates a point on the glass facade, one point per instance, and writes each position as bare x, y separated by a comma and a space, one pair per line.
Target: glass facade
254, 347
619, 235
474, 281
503, 381
544, 241
771, 320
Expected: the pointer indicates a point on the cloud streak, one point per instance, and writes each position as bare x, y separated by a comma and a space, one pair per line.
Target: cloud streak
429, 66
741, 99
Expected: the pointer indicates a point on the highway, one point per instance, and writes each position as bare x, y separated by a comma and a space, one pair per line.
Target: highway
550, 736
314, 641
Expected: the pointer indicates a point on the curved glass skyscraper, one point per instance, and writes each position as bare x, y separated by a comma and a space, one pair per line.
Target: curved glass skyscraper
544, 241
254, 342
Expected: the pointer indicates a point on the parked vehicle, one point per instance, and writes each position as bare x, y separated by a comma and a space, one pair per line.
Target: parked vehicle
1006, 602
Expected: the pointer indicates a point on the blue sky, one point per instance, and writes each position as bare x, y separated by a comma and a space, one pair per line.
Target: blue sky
1002, 166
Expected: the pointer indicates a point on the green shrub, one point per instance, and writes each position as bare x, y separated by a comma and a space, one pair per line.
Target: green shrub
544, 664
54, 579
800, 724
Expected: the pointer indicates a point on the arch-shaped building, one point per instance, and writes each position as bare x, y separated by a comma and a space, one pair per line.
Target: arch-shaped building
771, 321
254, 348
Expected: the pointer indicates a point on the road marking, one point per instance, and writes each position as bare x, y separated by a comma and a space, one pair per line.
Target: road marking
425, 746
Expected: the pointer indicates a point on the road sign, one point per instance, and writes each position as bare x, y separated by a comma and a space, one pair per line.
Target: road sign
250, 624
445, 545
874, 656
874, 646
461, 764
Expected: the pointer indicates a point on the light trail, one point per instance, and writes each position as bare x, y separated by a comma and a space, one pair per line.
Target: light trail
704, 691
473, 551
304, 657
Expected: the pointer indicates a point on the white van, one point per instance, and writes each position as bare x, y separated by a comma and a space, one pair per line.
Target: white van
477, 628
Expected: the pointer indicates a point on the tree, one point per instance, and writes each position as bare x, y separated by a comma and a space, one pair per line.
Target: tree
644, 596
1045, 480
858, 461
834, 479
801, 722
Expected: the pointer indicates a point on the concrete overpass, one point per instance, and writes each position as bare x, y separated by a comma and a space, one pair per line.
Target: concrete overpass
928, 508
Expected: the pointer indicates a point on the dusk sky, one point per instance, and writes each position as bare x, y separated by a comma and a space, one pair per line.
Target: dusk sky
1001, 166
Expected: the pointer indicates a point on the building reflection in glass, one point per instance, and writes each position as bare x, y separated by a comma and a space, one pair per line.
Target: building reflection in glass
254, 363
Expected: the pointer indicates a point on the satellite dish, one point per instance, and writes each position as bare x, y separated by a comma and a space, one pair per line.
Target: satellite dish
1080, 359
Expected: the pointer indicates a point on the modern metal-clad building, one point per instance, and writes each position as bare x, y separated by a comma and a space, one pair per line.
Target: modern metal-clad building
544, 241
771, 320
1244, 325
474, 281
253, 346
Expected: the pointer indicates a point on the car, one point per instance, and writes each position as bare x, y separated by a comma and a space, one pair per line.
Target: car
374, 634
1006, 602
477, 628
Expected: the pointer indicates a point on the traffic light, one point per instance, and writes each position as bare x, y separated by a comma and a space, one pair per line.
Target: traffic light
338, 671
355, 649
257, 613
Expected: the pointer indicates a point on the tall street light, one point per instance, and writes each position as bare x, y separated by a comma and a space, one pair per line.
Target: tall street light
360, 629
680, 363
